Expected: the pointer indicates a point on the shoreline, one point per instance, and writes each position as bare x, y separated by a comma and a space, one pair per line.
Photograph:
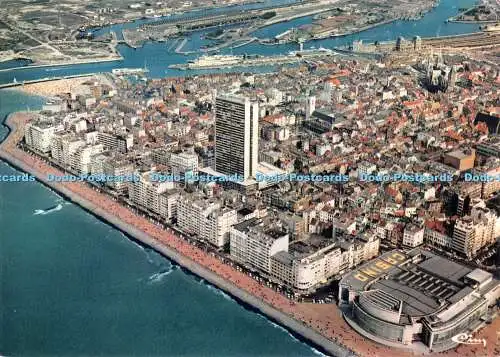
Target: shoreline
312, 39
44, 81
322, 326
295, 327
52, 88
354, 32
474, 22
70, 64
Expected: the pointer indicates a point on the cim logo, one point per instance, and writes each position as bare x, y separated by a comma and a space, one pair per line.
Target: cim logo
467, 339
380, 266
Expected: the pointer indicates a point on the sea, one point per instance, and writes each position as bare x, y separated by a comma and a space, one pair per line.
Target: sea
71, 285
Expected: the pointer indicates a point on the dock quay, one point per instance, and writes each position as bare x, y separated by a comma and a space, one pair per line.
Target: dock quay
196, 23
46, 79
475, 40
227, 14
178, 49
208, 62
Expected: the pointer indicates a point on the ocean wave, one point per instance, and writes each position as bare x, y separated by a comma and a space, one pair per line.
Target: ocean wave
62, 200
55, 193
218, 291
156, 259
47, 211
137, 245
318, 353
159, 276
279, 327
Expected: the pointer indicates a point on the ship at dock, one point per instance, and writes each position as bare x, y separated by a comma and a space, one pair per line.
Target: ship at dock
228, 61
214, 61
128, 71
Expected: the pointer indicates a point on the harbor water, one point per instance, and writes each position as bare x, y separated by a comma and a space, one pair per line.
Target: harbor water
157, 56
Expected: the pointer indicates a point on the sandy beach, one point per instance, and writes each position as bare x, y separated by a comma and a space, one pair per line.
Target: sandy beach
55, 87
322, 324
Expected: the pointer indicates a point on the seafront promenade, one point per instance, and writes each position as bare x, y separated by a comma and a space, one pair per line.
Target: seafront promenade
322, 324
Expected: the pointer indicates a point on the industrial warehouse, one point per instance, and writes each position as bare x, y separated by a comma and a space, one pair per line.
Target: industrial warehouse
417, 299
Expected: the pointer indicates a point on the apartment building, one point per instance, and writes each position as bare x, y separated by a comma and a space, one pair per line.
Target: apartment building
236, 136
148, 193
117, 167
255, 241
116, 142
63, 146
82, 158
413, 236
477, 230
311, 262
38, 135
435, 235
183, 162
206, 217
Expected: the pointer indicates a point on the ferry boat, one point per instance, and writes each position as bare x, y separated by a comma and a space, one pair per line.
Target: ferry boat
312, 51
214, 61
128, 71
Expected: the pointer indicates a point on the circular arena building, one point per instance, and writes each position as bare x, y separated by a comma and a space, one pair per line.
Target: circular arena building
416, 299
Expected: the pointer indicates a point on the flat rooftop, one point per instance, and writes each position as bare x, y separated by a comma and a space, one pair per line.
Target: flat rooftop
423, 282
261, 228
359, 279
458, 154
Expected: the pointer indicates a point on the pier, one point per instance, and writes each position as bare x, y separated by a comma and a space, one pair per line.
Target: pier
217, 21
179, 47
453, 42
478, 39
227, 14
245, 42
47, 79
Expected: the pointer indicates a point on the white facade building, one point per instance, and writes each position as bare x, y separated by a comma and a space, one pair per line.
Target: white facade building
121, 143
149, 193
253, 243
117, 168
436, 238
471, 233
39, 135
207, 218
64, 146
81, 160
310, 106
307, 269
183, 162
413, 236
236, 136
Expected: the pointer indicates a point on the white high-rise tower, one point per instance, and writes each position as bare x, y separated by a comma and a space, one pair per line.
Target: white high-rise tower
310, 106
236, 136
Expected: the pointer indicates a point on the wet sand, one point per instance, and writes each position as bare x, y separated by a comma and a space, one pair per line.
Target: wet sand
321, 323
